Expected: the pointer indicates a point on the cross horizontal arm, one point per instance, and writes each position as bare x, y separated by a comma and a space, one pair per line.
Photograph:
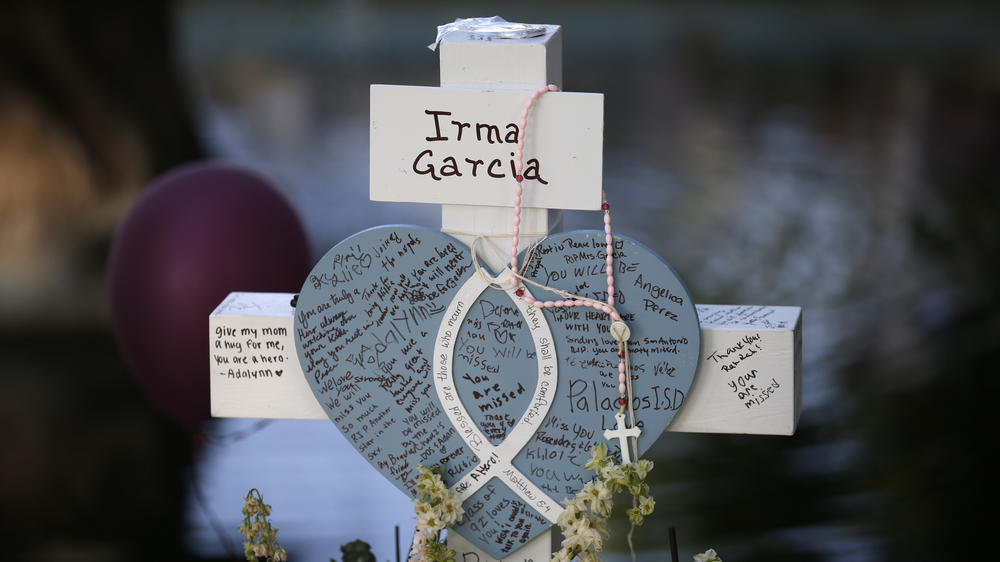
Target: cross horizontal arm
748, 379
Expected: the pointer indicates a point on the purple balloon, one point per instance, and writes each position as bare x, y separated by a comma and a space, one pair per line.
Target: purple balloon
200, 232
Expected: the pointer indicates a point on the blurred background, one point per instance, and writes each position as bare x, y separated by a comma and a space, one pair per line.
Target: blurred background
842, 157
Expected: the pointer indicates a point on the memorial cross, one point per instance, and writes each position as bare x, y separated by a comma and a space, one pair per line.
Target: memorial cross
749, 369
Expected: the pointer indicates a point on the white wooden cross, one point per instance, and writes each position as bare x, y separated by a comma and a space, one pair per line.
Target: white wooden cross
749, 377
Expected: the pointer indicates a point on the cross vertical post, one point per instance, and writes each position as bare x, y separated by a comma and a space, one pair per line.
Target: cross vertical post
508, 65
503, 64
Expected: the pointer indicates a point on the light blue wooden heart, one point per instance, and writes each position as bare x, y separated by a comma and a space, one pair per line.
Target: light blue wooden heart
417, 360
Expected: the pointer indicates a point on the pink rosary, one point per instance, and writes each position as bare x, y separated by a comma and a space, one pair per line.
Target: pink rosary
619, 329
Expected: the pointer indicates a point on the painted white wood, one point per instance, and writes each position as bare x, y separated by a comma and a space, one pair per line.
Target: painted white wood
524, 64
712, 406
255, 371
530, 422
468, 62
456, 146
538, 549
492, 226
749, 374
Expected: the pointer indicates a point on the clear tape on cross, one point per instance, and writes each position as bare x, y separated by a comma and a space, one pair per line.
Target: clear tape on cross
495, 460
488, 28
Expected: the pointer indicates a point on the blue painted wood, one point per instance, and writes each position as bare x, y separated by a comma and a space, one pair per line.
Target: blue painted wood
495, 366
365, 327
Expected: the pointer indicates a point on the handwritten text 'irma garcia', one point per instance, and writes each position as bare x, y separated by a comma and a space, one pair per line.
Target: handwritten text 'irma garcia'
438, 167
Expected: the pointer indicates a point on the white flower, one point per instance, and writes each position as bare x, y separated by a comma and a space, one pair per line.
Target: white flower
419, 550
436, 508
561, 556
707, 556
646, 504
428, 522
422, 508
612, 473
450, 511
438, 488
569, 515
581, 535
598, 524
252, 505
599, 496
642, 467
598, 457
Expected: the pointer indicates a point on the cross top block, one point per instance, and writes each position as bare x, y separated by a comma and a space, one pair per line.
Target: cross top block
469, 60
455, 145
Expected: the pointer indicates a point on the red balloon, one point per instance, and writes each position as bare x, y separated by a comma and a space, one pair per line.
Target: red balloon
200, 232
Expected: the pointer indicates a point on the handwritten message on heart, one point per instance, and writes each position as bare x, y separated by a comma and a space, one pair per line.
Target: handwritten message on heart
417, 359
